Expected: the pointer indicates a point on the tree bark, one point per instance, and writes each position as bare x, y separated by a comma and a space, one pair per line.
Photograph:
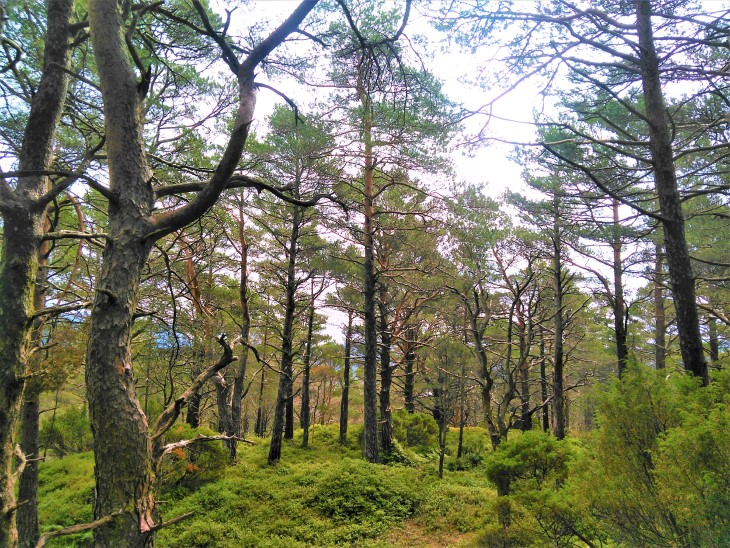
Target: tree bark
410, 360
386, 378
544, 384
237, 394
559, 325
660, 314
23, 221
283, 420
670, 205
124, 465
619, 306
714, 341
306, 412
345, 401
27, 515
370, 411
260, 428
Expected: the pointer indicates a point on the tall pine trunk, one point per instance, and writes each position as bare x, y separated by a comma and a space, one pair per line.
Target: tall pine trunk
345, 401
370, 410
409, 370
660, 314
619, 306
670, 204
558, 328
386, 378
124, 463
305, 415
283, 414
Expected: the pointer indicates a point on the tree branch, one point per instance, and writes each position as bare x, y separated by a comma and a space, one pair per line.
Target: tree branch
173, 220
80, 528
171, 413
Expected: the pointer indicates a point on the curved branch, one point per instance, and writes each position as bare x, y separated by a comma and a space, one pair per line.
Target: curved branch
173, 220
168, 417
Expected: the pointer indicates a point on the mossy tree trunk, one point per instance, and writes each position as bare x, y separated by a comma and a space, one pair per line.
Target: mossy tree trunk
23, 211
124, 460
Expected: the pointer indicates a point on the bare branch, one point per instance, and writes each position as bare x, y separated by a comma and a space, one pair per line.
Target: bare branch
170, 414
73, 529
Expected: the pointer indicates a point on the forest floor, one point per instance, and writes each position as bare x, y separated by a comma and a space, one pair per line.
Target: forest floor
326, 495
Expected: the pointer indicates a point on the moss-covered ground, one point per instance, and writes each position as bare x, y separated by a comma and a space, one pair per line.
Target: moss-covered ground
326, 495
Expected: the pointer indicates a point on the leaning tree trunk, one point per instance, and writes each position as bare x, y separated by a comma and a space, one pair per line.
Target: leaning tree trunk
670, 204
23, 213
345, 402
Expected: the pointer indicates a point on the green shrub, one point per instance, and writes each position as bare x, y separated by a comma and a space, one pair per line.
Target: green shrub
402, 456
188, 468
658, 470
67, 433
693, 465
472, 455
529, 460
358, 491
416, 430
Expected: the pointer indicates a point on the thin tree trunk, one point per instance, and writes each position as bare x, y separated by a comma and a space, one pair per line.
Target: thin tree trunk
410, 374
670, 205
239, 382
386, 378
544, 384
619, 307
370, 411
660, 314
27, 515
525, 341
345, 402
260, 429
559, 321
282, 415
306, 413
463, 414
714, 341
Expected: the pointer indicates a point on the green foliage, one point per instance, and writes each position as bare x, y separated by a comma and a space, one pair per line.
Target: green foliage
68, 432
529, 460
358, 491
658, 472
416, 430
693, 465
188, 468
472, 454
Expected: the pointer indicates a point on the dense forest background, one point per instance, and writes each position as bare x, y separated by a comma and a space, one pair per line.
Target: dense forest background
193, 289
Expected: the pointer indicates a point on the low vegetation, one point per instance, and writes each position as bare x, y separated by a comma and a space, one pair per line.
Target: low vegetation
631, 482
